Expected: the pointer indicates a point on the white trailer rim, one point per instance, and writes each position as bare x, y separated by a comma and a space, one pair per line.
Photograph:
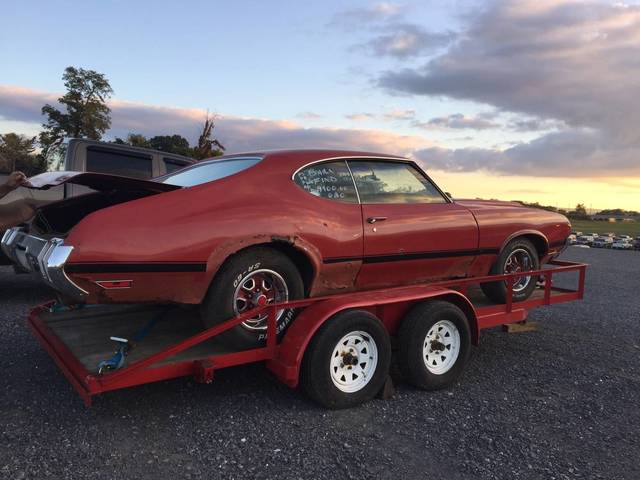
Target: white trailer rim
353, 362
441, 347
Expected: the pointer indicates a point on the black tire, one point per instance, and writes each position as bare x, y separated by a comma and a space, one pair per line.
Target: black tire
218, 304
412, 338
497, 291
317, 363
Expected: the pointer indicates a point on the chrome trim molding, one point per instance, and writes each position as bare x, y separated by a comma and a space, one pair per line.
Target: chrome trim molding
352, 157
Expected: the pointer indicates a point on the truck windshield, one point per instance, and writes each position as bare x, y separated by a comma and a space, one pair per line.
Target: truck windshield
209, 171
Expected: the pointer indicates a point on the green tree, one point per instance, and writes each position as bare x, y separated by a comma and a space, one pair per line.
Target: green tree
171, 144
17, 152
85, 113
580, 212
135, 140
207, 146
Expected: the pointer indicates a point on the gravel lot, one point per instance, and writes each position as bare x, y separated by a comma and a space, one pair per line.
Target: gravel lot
563, 402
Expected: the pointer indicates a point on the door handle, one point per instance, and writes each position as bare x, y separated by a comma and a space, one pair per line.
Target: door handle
376, 219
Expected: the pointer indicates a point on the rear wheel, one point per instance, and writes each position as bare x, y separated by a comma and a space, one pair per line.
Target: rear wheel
347, 361
518, 256
252, 278
434, 343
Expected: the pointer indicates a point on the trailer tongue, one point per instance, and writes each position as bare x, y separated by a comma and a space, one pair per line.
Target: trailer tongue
79, 340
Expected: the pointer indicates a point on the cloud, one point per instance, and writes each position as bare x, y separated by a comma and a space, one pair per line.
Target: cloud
362, 16
23, 104
565, 61
404, 40
458, 121
534, 125
400, 114
571, 153
360, 117
309, 115
236, 133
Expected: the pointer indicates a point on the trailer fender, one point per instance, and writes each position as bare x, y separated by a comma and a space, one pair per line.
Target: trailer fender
286, 365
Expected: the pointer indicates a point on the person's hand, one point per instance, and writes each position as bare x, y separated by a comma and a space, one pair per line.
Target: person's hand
16, 179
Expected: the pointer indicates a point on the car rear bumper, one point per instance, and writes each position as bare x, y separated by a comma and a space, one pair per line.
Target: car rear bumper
46, 257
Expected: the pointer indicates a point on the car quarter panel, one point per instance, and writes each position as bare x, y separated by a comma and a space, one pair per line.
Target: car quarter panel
171, 245
500, 222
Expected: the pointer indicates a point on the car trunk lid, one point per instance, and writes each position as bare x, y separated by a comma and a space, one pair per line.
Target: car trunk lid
58, 218
101, 182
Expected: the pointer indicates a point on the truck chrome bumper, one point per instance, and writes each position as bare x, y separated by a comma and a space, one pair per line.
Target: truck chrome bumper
46, 257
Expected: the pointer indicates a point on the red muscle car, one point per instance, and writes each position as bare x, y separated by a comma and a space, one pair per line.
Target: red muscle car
239, 231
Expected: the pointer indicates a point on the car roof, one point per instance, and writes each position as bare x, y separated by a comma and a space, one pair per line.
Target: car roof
296, 158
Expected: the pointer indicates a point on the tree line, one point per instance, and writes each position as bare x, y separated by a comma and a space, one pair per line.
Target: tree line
85, 113
580, 211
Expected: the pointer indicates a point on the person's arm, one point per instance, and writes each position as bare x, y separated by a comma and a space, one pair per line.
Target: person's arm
12, 182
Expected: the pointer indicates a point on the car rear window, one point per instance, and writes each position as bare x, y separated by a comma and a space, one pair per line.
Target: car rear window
205, 172
330, 180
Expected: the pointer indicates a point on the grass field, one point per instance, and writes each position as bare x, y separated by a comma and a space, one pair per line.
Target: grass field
619, 228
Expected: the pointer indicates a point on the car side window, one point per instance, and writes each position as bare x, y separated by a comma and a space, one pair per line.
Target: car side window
393, 182
330, 180
105, 160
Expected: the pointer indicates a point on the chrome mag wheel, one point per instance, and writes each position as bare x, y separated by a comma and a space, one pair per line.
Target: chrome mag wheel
519, 261
258, 288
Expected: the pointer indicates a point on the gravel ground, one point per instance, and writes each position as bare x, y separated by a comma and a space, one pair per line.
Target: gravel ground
563, 402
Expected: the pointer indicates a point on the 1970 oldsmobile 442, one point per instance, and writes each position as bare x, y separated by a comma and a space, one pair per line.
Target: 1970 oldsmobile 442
245, 230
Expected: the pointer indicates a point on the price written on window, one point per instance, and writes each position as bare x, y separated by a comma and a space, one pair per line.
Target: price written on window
326, 181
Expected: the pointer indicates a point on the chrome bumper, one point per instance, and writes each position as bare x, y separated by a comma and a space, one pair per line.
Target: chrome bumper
46, 257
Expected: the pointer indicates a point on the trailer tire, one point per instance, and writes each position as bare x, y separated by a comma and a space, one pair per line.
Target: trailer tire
497, 291
347, 361
434, 342
259, 263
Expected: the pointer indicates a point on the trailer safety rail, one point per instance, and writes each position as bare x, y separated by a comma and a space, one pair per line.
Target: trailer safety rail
284, 357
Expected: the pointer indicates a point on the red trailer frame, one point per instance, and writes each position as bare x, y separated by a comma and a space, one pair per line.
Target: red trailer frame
284, 358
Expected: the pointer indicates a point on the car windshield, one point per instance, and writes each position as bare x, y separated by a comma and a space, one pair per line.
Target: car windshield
209, 171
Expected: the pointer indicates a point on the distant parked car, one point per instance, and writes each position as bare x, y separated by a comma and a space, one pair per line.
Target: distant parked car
585, 240
637, 243
622, 245
603, 242
571, 240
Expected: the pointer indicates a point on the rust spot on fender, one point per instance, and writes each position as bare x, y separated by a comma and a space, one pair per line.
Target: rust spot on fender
291, 240
336, 278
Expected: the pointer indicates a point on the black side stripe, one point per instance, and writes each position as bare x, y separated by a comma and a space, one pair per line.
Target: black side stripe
399, 257
134, 267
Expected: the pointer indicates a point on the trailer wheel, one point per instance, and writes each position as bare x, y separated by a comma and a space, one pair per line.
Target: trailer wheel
347, 361
434, 343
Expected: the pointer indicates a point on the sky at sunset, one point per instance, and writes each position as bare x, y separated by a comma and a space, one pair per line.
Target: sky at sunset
535, 100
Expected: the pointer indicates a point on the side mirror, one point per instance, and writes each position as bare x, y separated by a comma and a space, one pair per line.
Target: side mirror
448, 195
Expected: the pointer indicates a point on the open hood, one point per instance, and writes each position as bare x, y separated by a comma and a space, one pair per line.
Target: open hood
101, 182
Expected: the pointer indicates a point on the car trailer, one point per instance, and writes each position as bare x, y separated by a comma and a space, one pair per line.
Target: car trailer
338, 347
